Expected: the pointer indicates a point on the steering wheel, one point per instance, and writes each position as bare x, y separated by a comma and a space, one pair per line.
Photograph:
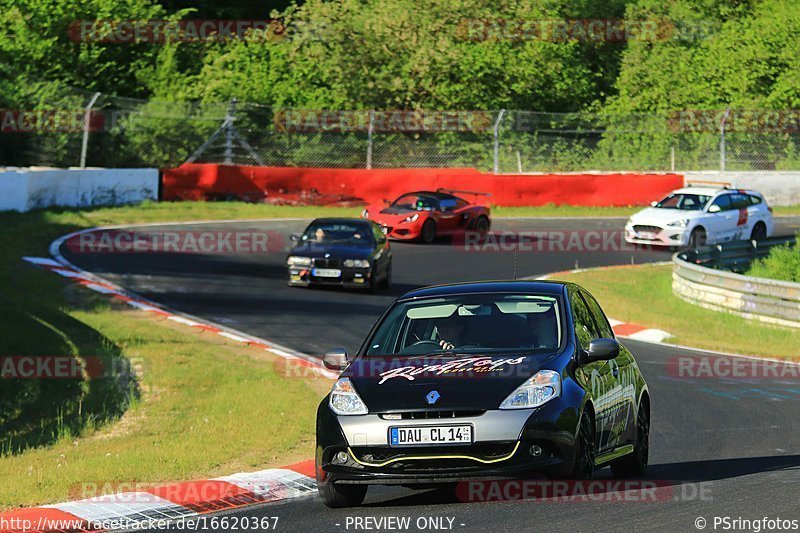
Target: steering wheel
420, 347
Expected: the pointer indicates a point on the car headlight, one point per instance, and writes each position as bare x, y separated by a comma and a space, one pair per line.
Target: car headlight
537, 390
365, 213
296, 260
344, 400
412, 218
682, 223
356, 263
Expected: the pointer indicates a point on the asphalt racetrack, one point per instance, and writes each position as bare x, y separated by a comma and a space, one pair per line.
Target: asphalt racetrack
718, 447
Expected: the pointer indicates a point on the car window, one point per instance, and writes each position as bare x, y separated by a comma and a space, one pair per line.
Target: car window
472, 324
685, 202
600, 320
416, 202
582, 317
337, 233
724, 202
754, 200
739, 201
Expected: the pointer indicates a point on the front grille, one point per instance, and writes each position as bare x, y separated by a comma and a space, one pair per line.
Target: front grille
432, 415
326, 263
647, 229
415, 457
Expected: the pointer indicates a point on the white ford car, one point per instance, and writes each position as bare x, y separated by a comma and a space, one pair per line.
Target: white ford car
694, 216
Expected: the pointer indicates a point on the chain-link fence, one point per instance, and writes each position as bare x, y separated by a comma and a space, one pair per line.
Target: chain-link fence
122, 132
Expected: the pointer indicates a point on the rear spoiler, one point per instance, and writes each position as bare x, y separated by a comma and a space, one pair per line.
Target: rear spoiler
456, 191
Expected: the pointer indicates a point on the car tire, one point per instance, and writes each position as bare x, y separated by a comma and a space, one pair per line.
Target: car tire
759, 232
387, 281
337, 496
635, 464
583, 467
482, 227
428, 233
697, 238
372, 286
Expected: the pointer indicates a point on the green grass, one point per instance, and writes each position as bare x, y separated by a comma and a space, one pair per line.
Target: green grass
782, 263
786, 210
643, 295
200, 405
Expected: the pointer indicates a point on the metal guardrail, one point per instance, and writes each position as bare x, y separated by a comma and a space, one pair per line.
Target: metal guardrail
695, 281
734, 256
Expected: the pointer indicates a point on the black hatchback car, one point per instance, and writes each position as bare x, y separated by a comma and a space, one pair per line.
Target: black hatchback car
348, 252
482, 380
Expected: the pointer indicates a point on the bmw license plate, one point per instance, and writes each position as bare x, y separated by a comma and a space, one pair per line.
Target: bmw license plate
429, 435
326, 272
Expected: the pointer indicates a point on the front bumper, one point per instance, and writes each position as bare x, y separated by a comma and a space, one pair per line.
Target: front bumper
508, 444
350, 278
664, 237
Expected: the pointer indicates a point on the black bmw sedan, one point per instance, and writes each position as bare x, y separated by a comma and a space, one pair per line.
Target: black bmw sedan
347, 252
482, 380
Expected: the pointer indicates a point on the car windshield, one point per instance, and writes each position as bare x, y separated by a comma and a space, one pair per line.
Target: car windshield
416, 202
337, 233
484, 323
684, 202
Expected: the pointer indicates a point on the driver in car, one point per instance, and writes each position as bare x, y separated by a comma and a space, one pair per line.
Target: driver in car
450, 331
544, 329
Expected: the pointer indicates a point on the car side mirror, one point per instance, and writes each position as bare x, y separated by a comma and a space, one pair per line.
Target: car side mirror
294, 237
714, 209
653, 204
602, 350
385, 201
336, 359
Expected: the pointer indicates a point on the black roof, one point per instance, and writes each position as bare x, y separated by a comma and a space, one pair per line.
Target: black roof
435, 194
341, 220
554, 288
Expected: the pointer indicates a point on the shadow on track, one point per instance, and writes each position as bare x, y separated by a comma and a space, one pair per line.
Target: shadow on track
664, 475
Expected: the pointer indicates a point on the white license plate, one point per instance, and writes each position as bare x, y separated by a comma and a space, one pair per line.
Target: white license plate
326, 272
646, 235
429, 435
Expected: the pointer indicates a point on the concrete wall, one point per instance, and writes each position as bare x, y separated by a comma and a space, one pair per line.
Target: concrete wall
32, 188
779, 188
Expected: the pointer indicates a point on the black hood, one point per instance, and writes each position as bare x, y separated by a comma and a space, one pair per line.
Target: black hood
466, 382
336, 251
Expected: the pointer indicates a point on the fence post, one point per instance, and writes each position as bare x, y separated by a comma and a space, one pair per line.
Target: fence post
722, 140
86, 125
370, 129
229, 131
497, 141
672, 158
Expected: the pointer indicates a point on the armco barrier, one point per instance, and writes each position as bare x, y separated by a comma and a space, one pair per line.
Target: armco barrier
333, 185
23, 189
773, 301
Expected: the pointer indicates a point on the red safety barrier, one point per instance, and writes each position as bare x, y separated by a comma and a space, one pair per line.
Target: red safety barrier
324, 186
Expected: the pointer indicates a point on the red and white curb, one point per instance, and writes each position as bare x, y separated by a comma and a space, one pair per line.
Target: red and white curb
156, 506
622, 329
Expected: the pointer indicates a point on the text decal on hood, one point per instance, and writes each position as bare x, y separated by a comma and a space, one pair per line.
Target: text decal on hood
470, 364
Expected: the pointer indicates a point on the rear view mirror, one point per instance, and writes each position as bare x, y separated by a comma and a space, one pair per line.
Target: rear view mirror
294, 237
336, 359
714, 209
602, 350
653, 204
